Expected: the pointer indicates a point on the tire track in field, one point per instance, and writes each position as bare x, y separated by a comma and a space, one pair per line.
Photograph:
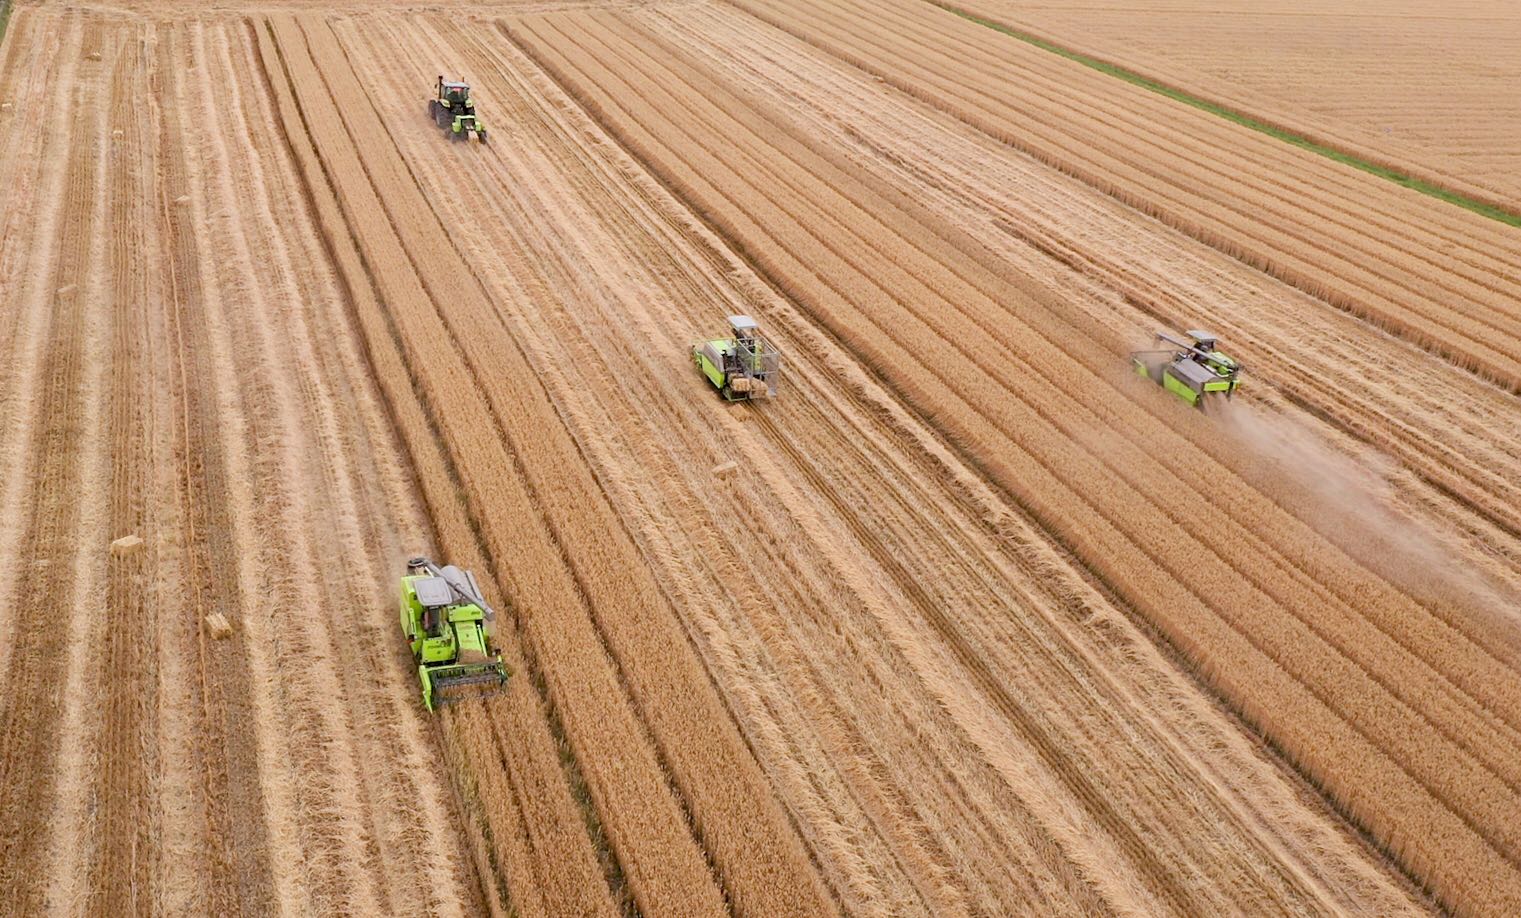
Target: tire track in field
31, 719
22, 116
549, 862
241, 876
321, 830
406, 813
383, 266
541, 556
26, 304
349, 36
1162, 881
21, 99
122, 866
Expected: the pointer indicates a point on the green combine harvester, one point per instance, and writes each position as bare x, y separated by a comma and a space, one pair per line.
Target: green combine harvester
742, 366
449, 625
453, 109
1193, 369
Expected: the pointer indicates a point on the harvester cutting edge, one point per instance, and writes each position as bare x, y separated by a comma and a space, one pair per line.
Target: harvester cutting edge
1194, 370
742, 366
449, 626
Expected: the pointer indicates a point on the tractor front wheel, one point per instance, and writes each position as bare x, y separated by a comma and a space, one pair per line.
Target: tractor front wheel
481, 136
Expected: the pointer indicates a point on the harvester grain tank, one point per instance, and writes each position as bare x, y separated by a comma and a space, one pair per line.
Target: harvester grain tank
1193, 369
743, 366
453, 109
449, 626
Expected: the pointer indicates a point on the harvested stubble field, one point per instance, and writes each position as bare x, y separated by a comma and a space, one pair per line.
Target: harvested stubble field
981, 625
1425, 87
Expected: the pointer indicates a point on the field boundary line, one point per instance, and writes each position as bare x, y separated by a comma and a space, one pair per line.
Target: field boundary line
1287, 135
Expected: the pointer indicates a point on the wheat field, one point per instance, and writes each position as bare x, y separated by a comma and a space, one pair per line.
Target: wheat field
969, 620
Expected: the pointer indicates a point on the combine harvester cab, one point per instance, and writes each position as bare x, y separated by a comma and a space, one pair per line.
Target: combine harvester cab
743, 366
1194, 370
449, 625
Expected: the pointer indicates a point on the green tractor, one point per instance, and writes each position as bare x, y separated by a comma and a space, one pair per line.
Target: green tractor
1193, 369
453, 109
448, 624
742, 366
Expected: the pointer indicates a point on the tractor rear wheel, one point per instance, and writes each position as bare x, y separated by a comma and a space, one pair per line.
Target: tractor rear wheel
481, 136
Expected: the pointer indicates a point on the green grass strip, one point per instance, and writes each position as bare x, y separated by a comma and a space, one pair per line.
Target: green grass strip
5, 19
1299, 140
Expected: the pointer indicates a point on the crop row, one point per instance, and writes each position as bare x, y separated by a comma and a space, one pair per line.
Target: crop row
636, 706
1423, 271
1302, 640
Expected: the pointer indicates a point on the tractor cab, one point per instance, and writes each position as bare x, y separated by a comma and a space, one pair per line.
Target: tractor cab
1204, 352
435, 597
454, 96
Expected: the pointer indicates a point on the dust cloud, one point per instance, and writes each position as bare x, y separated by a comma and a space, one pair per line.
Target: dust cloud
1353, 502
